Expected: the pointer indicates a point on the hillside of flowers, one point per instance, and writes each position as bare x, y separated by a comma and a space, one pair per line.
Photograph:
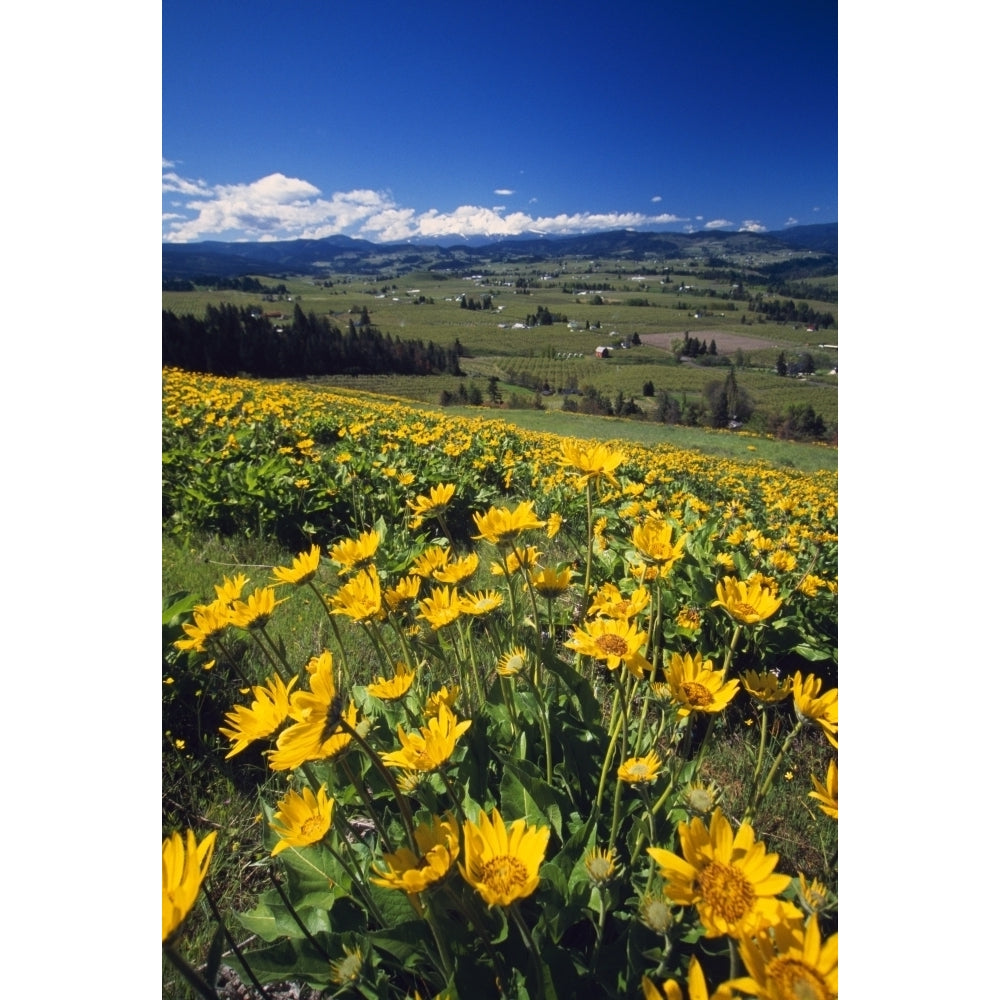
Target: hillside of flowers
500, 752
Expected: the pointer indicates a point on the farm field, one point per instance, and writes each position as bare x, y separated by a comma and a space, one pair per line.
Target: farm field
497, 341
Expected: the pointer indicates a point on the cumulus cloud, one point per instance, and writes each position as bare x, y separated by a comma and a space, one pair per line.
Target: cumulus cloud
752, 226
718, 224
278, 207
792, 221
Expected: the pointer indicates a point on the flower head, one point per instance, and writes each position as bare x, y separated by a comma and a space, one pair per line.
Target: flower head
789, 962
444, 695
695, 687
302, 818
550, 583
438, 843
520, 555
765, 686
501, 861
593, 463
501, 526
256, 611
304, 568
458, 571
654, 544
811, 706
185, 866
610, 601
210, 621
360, 599
641, 770
432, 746
441, 608
601, 865
729, 879
481, 603
614, 641
266, 713
826, 793
395, 687
701, 797
425, 507
746, 602
513, 662
696, 984
350, 552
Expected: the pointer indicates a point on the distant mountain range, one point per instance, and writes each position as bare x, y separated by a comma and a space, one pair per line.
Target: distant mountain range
812, 247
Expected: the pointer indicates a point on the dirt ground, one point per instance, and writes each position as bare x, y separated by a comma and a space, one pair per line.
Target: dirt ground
726, 341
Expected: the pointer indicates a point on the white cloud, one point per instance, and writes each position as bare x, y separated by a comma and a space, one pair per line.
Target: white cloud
503, 192
792, 221
752, 226
718, 224
656, 197
277, 207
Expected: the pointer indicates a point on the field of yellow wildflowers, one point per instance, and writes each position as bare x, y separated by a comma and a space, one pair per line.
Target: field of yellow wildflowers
500, 753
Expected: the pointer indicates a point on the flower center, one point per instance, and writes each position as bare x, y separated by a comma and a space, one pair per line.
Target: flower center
727, 891
311, 827
744, 610
797, 981
696, 694
504, 873
612, 645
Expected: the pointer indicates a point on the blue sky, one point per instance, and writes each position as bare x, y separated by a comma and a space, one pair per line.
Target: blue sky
392, 121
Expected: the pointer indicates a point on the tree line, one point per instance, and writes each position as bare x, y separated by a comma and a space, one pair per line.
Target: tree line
231, 340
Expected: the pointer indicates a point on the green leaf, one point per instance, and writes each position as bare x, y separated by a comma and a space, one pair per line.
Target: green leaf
525, 793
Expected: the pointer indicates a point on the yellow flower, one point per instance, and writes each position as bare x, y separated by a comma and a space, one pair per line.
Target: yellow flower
765, 686
526, 555
266, 713
431, 559
349, 968
231, 589
783, 561
438, 843
601, 865
810, 585
403, 593
304, 567
729, 879
826, 794
553, 524
501, 526
747, 602
609, 601
551, 583
445, 695
696, 984
350, 553
653, 542
395, 687
441, 608
431, 506
481, 603
789, 962
641, 770
594, 463
184, 869
360, 599
432, 746
696, 687
810, 706
701, 797
612, 640
813, 896
458, 571
302, 819
210, 621
688, 618
316, 733
655, 911
513, 663
257, 610
502, 862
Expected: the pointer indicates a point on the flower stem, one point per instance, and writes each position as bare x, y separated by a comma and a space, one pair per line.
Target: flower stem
529, 942
760, 793
190, 974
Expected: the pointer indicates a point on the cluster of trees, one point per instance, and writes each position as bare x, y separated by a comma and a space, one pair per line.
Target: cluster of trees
692, 347
788, 311
484, 301
542, 317
232, 340
243, 283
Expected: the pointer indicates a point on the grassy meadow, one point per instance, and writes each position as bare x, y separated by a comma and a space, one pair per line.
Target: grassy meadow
481, 702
